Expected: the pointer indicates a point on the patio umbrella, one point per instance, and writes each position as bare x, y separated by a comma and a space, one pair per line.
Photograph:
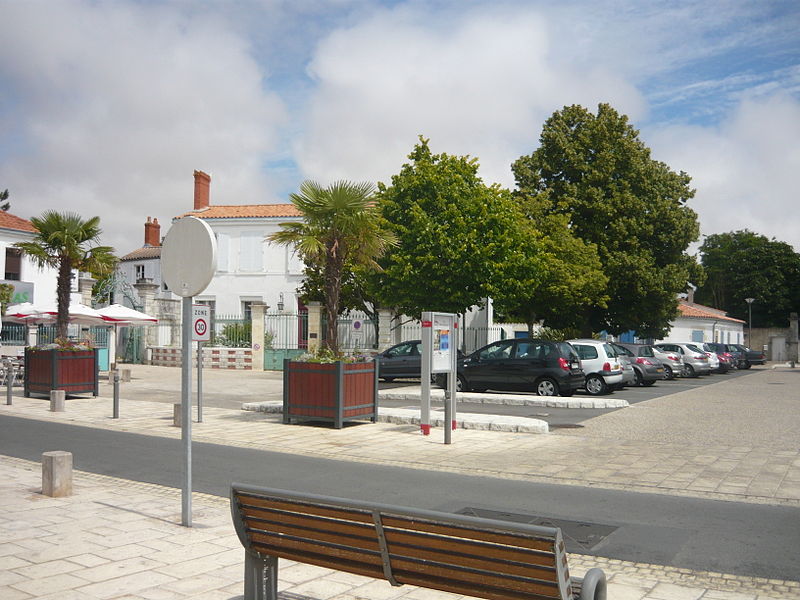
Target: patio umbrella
78, 313
26, 314
122, 315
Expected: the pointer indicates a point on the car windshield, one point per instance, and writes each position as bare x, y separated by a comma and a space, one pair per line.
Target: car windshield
646, 351
694, 348
611, 352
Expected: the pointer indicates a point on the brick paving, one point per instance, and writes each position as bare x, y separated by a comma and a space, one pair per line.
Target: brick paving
120, 539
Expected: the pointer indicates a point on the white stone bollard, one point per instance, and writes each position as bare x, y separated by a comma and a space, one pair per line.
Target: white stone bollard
126, 375
177, 414
57, 473
57, 398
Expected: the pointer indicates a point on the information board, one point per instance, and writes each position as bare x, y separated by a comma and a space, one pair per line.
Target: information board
201, 323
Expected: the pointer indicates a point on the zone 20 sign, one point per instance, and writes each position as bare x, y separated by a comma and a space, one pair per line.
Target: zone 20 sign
201, 323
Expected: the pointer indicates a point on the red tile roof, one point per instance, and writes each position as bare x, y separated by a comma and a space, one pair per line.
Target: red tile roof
247, 211
698, 311
144, 252
9, 221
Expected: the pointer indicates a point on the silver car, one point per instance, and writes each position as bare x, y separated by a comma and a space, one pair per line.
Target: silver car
672, 361
695, 360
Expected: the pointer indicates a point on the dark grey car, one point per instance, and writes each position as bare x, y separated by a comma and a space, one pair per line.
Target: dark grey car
647, 367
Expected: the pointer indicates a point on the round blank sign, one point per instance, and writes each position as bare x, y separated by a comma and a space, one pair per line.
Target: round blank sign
188, 257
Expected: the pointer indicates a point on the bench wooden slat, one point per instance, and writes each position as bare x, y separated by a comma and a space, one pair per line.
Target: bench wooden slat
469, 547
499, 537
247, 500
322, 560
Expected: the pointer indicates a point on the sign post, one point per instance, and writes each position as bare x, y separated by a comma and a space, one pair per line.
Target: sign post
188, 263
201, 332
439, 355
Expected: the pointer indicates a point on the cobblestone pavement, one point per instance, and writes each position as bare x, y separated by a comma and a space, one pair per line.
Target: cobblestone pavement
733, 440
117, 539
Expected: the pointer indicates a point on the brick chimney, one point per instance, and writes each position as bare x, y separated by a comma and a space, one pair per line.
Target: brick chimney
202, 183
152, 233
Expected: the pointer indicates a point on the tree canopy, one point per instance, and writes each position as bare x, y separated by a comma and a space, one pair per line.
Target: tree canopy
5, 203
594, 170
340, 228
65, 241
457, 236
743, 264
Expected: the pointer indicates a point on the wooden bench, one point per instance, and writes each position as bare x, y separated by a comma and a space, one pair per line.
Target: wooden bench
466, 555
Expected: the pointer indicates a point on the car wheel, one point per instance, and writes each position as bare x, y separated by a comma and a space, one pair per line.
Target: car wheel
547, 387
639, 379
688, 371
595, 385
461, 384
668, 374
648, 383
388, 379
747, 365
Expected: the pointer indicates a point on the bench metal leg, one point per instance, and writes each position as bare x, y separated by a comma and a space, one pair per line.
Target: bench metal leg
260, 576
594, 585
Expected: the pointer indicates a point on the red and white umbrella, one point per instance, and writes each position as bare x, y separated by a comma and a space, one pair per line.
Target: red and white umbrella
47, 313
122, 315
26, 313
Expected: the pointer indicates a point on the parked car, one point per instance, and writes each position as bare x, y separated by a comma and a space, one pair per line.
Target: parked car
695, 361
672, 362
626, 361
401, 360
523, 364
752, 357
737, 354
718, 361
600, 364
724, 353
647, 368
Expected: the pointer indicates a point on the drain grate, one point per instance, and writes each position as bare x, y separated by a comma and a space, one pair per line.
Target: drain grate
578, 535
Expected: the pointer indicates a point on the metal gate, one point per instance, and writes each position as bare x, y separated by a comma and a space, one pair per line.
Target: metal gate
285, 336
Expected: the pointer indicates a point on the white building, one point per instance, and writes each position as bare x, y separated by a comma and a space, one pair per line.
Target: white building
249, 269
698, 323
31, 284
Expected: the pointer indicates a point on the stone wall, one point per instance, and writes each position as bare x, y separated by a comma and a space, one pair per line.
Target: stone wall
213, 358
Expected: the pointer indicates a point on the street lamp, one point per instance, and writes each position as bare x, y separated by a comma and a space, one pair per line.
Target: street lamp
750, 320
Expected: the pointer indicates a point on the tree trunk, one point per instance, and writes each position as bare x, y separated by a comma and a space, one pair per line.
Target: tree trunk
333, 287
62, 295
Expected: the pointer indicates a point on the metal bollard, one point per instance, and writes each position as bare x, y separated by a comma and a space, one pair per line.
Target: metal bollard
9, 380
116, 395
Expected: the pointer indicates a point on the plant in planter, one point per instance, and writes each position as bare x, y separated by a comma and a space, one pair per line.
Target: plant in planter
330, 388
63, 365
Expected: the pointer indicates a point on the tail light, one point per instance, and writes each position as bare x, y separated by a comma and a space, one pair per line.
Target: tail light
563, 363
606, 366
673, 357
701, 357
643, 361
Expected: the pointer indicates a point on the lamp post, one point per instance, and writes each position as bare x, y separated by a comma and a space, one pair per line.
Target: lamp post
750, 321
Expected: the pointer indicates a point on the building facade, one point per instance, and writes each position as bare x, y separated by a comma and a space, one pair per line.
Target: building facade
31, 284
698, 323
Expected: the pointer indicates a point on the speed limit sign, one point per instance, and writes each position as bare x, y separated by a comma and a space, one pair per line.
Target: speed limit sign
201, 323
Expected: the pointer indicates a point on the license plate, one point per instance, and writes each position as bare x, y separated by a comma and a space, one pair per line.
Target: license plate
659, 370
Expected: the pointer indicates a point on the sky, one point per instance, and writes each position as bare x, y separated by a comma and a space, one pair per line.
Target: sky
107, 107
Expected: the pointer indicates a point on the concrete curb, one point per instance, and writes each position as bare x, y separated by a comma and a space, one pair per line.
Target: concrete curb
412, 394
408, 416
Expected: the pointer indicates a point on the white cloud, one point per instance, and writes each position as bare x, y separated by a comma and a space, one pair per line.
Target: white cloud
119, 103
745, 170
480, 83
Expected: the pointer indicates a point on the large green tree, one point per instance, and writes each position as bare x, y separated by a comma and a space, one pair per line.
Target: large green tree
340, 227
596, 171
744, 264
457, 235
64, 241
567, 276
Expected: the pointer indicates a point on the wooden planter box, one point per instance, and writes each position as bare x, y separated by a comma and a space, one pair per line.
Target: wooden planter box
334, 392
74, 371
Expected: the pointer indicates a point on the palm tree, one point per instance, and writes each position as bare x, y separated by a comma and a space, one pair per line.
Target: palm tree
341, 225
62, 241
